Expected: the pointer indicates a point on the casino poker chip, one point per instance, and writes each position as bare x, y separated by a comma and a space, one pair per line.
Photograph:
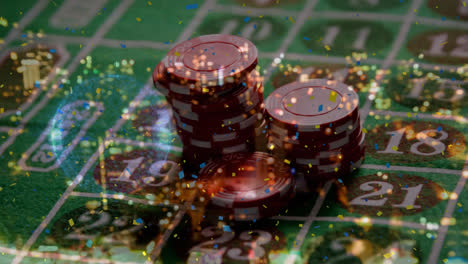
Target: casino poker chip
315, 126
209, 62
311, 105
249, 185
216, 96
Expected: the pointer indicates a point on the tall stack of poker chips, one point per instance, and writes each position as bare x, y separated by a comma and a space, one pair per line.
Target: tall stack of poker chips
215, 94
315, 126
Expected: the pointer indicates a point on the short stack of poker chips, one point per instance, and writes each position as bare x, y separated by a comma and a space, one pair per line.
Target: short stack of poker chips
215, 94
246, 186
315, 126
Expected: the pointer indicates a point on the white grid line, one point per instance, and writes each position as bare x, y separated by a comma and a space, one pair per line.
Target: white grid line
309, 220
439, 242
396, 47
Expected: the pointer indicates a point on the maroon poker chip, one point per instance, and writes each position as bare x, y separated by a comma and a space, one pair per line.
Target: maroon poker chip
245, 182
313, 105
209, 63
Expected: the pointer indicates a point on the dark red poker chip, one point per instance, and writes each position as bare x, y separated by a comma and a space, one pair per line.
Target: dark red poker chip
209, 61
245, 182
335, 170
218, 140
247, 94
311, 105
251, 122
235, 120
324, 134
314, 146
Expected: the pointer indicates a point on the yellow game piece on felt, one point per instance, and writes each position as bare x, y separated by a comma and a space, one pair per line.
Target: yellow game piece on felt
332, 97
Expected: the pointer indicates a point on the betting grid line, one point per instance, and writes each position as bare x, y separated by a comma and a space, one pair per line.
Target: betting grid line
28, 18
76, 181
359, 220
308, 222
60, 256
396, 47
292, 34
410, 169
439, 242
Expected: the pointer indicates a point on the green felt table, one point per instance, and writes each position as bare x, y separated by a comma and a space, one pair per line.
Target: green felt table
84, 137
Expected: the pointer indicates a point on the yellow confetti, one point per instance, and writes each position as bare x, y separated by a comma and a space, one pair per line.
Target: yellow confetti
287, 161
264, 206
3, 22
149, 3
388, 255
311, 97
364, 130
98, 90
395, 148
409, 207
71, 222
443, 43
379, 213
138, 19
340, 217
464, 4
415, 10
332, 97
327, 47
276, 238
291, 19
408, 114
330, 226
177, 54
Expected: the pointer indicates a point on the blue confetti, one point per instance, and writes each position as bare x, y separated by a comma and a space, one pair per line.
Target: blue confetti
246, 19
52, 50
439, 128
191, 6
89, 244
193, 207
139, 221
267, 191
358, 63
376, 146
306, 38
181, 174
37, 84
202, 165
255, 26
346, 234
226, 228
194, 176
220, 218
443, 18
215, 245
47, 231
388, 165
86, 105
320, 108
123, 45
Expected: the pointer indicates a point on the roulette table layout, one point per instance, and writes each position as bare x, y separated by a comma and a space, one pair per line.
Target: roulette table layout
103, 159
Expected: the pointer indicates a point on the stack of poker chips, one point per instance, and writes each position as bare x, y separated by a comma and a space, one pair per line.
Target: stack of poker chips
315, 126
215, 94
